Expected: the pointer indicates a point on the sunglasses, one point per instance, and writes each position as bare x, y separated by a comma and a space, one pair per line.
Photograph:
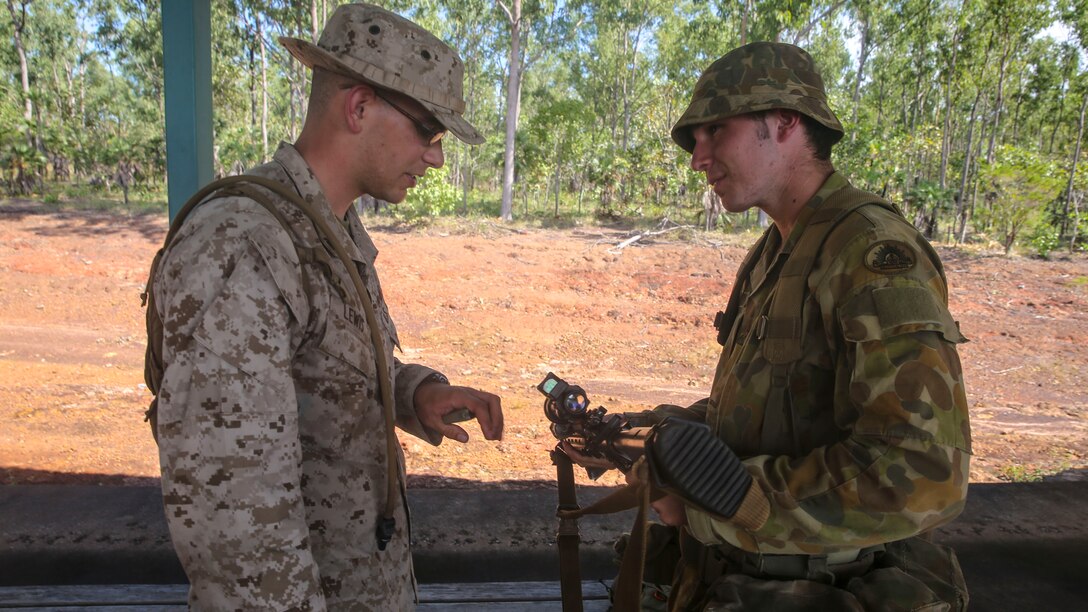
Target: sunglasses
430, 135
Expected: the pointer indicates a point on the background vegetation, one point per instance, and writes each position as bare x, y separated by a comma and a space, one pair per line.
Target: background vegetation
968, 113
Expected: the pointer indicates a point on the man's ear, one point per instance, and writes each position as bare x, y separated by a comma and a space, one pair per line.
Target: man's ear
789, 121
355, 104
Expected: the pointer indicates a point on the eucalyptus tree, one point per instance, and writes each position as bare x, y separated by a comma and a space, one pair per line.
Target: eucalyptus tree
18, 14
687, 41
1074, 14
1013, 24
612, 72
470, 28
533, 30
514, 16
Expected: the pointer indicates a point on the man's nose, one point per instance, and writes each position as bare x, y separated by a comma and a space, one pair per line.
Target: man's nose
700, 155
434, 155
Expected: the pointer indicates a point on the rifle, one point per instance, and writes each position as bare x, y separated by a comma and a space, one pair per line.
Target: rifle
683, 458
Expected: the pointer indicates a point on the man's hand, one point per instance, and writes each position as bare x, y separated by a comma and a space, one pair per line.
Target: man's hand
434, 400
670, 510
585, 460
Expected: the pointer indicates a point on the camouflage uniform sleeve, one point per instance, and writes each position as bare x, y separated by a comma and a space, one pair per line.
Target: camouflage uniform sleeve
902, 466
409, 375
646, 418
228, 422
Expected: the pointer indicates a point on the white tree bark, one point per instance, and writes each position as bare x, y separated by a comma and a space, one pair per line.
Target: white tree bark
513, 102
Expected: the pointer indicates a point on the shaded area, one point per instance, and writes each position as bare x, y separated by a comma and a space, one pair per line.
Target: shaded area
1021, 545
15, 475
63, 223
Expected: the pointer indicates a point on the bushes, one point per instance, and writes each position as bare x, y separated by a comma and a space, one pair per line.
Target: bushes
433, 196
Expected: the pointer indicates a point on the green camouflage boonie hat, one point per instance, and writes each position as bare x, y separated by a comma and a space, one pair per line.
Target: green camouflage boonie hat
365, 42
756, 77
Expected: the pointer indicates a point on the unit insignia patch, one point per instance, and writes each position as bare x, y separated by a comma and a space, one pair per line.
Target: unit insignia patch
890, 257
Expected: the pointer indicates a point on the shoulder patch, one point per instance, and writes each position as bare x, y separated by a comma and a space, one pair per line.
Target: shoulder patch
890, 257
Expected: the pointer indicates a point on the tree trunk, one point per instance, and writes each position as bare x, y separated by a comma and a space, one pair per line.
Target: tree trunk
1076, 223
1073, 170
513, 88
264, 90
803, 33
18, 23
469, 162
1060, 122
555, 177
252, 65
946, 139
999, 100
961, 201
866, 48
744, 23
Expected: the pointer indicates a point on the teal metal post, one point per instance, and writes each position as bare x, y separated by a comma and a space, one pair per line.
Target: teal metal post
187, 66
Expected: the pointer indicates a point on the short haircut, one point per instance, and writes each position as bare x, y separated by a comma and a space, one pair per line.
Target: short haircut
323, 87
820, 137
763, 131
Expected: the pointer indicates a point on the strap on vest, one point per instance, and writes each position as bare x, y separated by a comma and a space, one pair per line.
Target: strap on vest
785, 322
724, 321
386, 524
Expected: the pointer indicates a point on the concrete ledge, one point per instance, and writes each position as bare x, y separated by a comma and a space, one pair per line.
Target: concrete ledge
1021, 545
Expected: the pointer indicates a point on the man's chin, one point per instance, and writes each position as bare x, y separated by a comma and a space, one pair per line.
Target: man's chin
395, 197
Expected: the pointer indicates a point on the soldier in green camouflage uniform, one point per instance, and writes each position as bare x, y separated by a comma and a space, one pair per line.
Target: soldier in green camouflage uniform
838, 386
272, 439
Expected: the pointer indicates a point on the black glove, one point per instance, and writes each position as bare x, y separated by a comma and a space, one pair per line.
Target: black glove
689, 461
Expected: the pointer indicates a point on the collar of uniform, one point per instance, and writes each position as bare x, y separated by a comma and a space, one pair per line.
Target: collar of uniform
360, 236
833, 183
773, 256
358, 244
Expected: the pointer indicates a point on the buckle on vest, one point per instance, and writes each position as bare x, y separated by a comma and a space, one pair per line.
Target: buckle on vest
387, 526
761, 327
718, 318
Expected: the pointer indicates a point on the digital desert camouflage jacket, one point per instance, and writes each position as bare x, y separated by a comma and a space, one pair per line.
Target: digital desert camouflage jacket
877, 440
271, 432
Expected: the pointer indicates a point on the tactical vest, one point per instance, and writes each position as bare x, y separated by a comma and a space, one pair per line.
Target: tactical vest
248, 186
781, 328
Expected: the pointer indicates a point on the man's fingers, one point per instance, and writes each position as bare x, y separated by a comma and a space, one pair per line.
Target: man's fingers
457, 416
454, 432
585, 460
488, 411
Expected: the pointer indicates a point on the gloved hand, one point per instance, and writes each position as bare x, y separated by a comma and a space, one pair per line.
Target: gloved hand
690, 462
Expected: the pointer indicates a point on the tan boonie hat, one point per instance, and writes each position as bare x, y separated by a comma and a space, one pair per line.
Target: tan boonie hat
371, 44
756, 77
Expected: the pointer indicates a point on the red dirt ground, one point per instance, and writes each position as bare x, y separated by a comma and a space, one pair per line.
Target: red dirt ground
498, 308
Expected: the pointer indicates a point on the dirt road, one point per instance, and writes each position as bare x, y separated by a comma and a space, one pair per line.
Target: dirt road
498, 309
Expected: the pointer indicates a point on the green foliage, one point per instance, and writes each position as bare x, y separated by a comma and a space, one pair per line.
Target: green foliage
959, 109
1019, 473
1018, 184
1044, 239
433, 196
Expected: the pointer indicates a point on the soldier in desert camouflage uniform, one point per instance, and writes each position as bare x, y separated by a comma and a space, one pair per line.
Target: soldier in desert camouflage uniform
273, 443
839, 385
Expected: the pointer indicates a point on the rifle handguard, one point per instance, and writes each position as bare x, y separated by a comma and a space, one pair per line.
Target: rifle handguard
686, 459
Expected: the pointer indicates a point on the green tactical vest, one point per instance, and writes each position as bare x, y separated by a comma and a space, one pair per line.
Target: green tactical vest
782, 327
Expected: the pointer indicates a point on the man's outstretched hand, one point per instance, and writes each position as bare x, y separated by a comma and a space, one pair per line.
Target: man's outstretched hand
435, 400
